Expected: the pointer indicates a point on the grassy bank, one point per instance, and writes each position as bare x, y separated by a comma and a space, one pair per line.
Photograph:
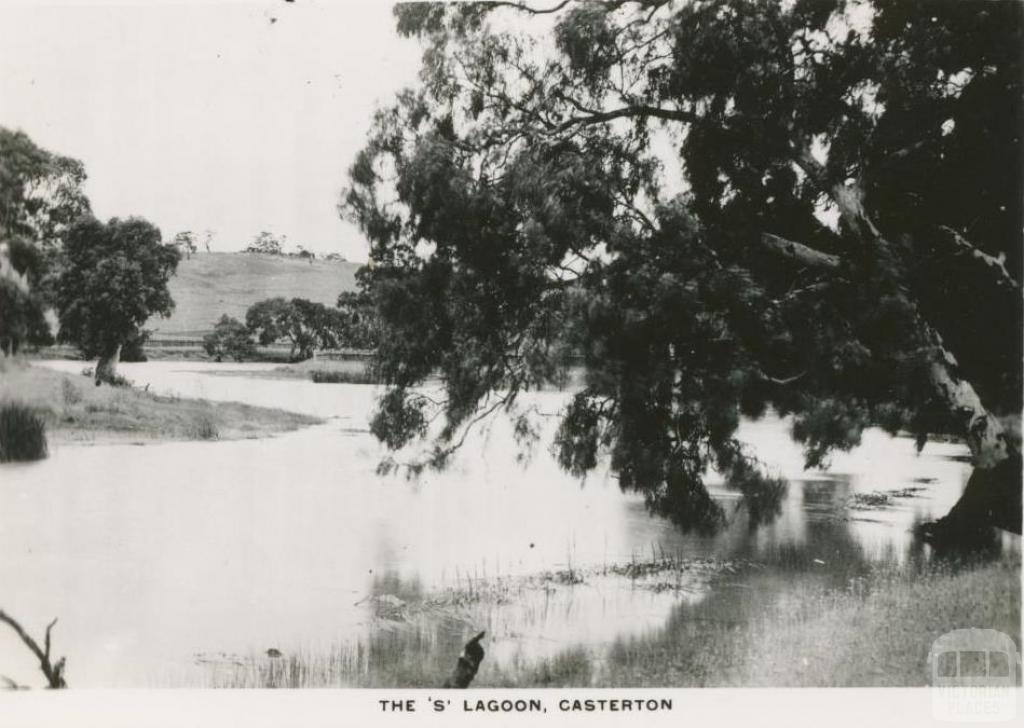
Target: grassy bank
75, 410
875, 632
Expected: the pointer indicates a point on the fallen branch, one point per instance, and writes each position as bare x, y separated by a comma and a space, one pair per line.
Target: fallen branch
54, 672
467, 665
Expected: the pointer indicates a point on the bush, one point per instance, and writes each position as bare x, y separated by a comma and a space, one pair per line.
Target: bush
328, 376
22, 433
230, 338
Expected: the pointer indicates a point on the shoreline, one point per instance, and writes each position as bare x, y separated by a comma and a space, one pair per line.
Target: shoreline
76, 412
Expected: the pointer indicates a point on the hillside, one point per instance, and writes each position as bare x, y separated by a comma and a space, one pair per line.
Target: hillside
212, 284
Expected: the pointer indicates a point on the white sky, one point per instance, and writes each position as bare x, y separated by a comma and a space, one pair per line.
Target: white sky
207, 115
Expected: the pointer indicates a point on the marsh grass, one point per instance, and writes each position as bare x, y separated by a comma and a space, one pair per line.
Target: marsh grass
204, 427
874, 631
22, 433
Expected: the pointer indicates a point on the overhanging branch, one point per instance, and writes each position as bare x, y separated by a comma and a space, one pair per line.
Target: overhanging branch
995, 265
800, 253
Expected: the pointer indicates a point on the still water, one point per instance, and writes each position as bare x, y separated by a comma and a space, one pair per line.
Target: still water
166, 561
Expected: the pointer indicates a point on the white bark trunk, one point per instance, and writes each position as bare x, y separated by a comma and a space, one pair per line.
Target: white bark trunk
982, 432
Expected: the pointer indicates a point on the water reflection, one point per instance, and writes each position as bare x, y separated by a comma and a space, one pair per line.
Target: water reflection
185, 563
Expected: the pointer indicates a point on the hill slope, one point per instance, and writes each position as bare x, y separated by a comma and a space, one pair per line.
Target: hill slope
212, 284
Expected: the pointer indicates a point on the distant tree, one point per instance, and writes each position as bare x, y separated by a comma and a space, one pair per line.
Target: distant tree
308, 326
230, 337
266, 244
114, 277
207, 239
185, 242
306, 254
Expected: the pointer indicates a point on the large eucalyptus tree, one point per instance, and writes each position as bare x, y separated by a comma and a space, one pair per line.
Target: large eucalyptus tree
722, 206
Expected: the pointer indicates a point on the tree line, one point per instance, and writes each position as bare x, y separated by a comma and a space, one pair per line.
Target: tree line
306, 325
104, 280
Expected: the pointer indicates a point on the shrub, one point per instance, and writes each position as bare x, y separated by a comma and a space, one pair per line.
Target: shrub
22, 433
230, 338
329, 376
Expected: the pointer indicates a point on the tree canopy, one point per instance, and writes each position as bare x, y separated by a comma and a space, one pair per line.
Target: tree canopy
266, 243
114, 277
229, 337
718, 207
307, 325
40, 195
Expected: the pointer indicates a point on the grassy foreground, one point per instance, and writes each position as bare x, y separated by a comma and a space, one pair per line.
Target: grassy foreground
874, 633
75, 410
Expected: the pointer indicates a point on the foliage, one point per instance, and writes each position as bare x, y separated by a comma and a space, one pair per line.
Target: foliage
40, 192
266, 244
362, 327
229, 337
521, 209
331, 376
114, 278
22, 320
308, 326
22, 433
185, 242
40, 196
134, 348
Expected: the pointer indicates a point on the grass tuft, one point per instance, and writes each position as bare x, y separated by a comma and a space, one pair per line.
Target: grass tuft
22, 433
204, 428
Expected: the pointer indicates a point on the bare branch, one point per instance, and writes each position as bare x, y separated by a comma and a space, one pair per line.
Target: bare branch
523, 7
800, 253
996, 265
781, 381
592, 116
811, 288
54, 673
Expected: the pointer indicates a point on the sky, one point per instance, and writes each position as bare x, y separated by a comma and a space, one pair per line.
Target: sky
235, 116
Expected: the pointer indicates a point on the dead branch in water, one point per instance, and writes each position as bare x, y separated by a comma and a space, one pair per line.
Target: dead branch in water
469, 662
54, 672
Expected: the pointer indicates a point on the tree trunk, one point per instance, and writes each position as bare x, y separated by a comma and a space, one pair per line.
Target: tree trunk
993, 493
106, 367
